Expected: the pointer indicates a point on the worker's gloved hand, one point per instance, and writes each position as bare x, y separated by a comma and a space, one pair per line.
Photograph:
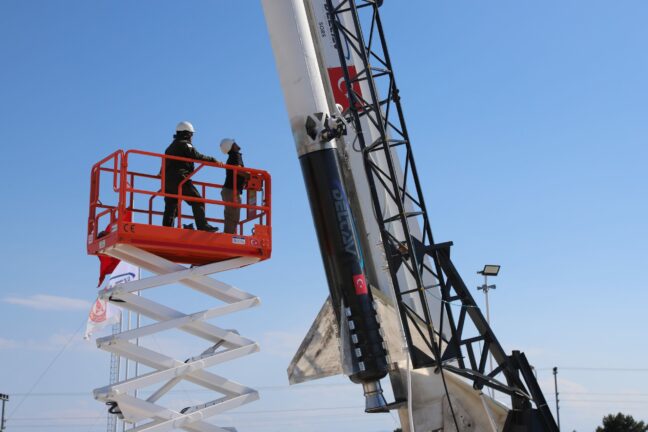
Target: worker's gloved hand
217, 162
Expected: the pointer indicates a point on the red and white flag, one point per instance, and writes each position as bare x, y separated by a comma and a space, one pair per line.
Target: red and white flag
107, 264
104, 313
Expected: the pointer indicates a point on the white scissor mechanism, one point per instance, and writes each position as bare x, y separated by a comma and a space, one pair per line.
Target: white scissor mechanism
148, 413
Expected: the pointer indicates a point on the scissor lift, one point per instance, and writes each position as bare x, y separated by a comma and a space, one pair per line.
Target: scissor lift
126, 198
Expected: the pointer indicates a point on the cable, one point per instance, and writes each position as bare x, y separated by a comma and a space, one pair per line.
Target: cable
97, 420
294, 388
292, 421
605, 394
438, 355
445, 387
56, 357
410, 415
602, 369
265, 388
271, 411
605, 401
452, 304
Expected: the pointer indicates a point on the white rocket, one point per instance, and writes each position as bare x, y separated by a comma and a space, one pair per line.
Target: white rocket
312, 81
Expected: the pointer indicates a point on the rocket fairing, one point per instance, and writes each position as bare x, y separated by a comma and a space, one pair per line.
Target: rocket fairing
340, 248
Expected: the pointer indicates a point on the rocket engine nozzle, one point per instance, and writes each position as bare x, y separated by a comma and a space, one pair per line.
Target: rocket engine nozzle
374, 400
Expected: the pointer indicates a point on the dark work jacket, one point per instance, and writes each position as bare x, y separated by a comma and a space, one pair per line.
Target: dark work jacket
235, 158
177, 170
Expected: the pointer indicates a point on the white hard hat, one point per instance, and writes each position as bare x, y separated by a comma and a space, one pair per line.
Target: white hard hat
185, 126
226, 145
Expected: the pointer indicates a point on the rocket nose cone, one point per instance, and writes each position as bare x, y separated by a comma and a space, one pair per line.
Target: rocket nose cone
374, 399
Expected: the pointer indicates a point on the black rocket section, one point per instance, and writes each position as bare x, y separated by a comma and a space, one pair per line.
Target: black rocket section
343, 261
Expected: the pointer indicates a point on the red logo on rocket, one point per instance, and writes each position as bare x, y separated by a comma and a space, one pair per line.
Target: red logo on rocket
336, 76
360, 284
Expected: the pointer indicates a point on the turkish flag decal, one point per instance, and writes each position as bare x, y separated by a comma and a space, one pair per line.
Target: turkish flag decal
360, 284
336, 76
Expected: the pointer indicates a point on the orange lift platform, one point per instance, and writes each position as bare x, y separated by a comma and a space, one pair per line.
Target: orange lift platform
125, 222
127, 204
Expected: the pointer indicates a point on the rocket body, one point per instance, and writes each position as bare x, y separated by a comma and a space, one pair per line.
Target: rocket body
341, 251
344, 264
312, 81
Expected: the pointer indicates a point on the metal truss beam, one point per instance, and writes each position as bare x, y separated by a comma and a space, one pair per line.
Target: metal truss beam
375, 110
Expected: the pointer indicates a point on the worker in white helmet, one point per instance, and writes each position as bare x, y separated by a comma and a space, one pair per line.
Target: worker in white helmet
176, 171
231, 192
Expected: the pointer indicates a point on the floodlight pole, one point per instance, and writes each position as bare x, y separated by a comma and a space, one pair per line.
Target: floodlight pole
487, 288
555, 373
4, 398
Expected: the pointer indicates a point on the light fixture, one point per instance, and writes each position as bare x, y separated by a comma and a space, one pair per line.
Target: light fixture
490, 270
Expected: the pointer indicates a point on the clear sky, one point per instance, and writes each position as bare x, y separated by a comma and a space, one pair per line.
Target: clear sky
529, 123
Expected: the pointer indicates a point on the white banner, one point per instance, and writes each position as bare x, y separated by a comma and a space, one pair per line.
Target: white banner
104, 313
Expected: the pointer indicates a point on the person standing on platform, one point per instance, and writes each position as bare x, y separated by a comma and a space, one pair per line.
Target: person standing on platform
176, 171
232, 214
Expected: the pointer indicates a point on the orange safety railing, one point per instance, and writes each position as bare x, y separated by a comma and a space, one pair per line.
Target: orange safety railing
130, 184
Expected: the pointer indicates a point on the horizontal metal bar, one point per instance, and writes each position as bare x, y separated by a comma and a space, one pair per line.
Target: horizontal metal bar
170, 272
159, 361
488, 381
159, 312
181, 369
182, 321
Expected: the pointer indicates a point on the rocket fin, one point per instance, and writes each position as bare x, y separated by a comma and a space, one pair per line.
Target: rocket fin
323, 353
318, 356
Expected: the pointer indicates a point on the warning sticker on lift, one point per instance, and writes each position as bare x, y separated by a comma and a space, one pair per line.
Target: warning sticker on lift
238, 240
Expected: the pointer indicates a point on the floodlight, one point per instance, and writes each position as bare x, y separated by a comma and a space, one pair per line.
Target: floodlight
490, 270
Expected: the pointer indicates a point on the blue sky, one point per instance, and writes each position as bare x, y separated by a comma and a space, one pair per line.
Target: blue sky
529, 126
